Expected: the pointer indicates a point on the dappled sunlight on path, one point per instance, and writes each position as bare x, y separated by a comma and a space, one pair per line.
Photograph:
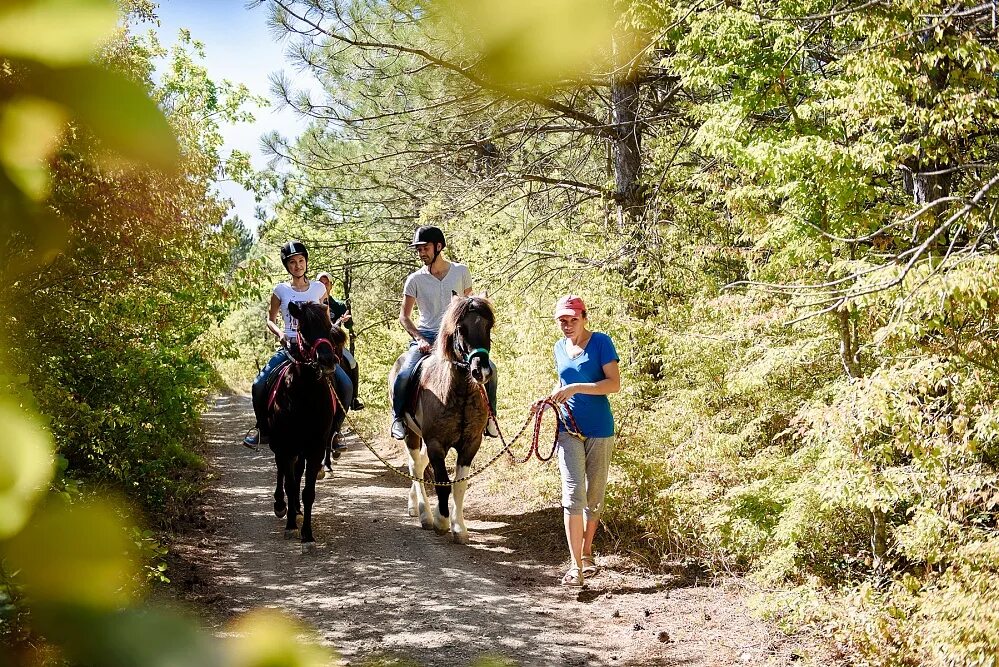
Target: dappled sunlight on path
379, 585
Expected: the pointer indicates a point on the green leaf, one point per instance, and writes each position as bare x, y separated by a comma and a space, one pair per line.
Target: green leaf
117, 110
74, 555
57, 32
25, 466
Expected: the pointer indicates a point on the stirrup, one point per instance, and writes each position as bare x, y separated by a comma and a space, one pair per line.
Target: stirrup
356, 405
251, 439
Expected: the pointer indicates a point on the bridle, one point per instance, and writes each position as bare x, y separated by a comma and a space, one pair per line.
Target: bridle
308, 355
464, 359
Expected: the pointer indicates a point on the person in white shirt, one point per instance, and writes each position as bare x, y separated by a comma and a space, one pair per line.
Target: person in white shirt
430, 290
295, 257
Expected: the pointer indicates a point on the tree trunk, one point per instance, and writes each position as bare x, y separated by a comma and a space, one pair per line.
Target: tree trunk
849, 346
628, 193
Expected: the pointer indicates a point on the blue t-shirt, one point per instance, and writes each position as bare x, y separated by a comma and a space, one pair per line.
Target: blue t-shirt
592, 413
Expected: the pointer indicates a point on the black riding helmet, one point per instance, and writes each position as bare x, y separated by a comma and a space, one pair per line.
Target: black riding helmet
291, 248
428, 235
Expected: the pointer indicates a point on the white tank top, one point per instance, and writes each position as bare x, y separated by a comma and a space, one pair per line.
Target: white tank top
285, 293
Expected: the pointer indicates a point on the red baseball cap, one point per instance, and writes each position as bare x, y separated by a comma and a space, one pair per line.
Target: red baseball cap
571, 305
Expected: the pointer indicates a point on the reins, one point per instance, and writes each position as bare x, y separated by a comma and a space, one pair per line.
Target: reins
537, 416
309, 356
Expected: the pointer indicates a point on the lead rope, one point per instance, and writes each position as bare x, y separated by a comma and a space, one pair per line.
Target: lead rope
533, 449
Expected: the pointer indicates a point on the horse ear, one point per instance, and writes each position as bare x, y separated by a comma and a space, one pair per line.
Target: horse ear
295, 310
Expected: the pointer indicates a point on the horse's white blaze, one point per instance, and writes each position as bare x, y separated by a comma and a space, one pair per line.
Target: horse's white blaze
458, 528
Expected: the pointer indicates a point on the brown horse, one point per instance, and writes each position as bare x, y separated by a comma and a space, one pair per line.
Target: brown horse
450, 410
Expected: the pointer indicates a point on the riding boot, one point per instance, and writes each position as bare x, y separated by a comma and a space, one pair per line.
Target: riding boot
354, 373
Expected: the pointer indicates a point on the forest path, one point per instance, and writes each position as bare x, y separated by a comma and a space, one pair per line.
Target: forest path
381, 587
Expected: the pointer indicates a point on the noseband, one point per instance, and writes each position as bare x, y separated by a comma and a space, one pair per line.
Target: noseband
309, 354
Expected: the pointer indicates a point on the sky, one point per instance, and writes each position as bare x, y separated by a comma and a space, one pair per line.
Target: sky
239, 47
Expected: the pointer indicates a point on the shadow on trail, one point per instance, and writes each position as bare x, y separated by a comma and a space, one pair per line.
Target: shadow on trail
380, 585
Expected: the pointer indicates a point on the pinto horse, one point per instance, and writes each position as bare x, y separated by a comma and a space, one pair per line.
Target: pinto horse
450, 410
304, 412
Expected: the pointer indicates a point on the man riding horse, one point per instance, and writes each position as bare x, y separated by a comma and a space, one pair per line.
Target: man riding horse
430, 290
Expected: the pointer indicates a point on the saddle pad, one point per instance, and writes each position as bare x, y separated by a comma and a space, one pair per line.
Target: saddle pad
270, 390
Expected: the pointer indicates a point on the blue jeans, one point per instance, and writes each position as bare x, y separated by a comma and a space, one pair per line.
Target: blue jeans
409, 362
341, 383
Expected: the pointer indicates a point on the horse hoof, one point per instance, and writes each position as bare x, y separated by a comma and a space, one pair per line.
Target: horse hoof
426, 524
280, 510
290, 534
309, 547
321, 474
460, 538
299, 519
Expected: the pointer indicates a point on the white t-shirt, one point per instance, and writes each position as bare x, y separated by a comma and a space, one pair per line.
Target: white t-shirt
433, 295
286, 294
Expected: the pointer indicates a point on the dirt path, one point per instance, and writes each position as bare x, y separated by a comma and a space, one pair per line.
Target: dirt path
381, 587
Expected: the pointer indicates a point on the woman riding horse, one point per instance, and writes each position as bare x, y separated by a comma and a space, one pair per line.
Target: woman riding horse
449, 410
295, 257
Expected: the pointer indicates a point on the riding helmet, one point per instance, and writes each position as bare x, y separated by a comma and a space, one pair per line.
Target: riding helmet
293, 247
428, 235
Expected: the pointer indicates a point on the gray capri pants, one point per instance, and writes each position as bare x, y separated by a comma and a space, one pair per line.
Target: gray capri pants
584, 465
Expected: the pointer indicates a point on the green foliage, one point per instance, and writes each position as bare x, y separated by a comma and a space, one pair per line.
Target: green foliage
115, 246
837, 161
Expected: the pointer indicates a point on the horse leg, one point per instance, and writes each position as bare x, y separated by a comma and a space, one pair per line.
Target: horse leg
280, 508
292, 488
325, 462
458, 530
418, 504
308, 497
442, 520
299, 472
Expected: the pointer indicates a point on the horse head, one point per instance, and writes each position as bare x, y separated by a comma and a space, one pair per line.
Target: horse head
465, 335
320, 343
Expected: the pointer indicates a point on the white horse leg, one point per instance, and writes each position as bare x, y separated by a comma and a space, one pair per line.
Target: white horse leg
458, 530
418, 504
441, 523
412, 504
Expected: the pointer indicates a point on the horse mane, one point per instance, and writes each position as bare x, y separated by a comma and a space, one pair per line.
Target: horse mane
459, 308
313, 317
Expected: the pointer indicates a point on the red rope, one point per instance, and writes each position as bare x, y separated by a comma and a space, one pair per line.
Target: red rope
538, 416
